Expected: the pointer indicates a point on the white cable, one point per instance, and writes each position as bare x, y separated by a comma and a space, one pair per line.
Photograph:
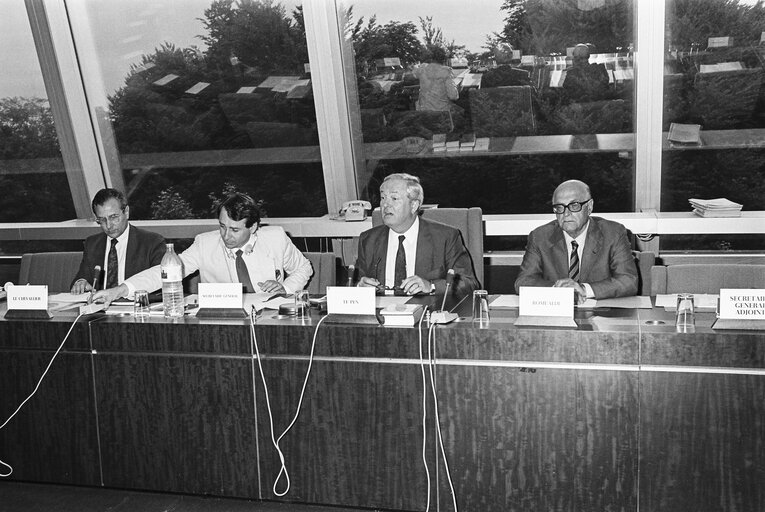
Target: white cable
424, 408
432, 360
10, 469
276, 441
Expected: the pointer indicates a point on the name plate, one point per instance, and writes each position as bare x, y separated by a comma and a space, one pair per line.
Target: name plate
28, 297
742, 304
220, 295
348, 300
545, 301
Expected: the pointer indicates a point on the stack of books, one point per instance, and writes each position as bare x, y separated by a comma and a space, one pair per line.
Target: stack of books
406, 315
720, 207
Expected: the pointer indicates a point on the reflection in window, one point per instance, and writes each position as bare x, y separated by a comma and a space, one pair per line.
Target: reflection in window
211, 94
31, 168
437, 106
715, 80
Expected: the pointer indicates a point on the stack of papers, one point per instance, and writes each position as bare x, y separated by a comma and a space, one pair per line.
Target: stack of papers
720, 207
684, 133
439, 142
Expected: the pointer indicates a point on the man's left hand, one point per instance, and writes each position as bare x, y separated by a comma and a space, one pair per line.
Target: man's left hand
415, 284
272, 286
579, 290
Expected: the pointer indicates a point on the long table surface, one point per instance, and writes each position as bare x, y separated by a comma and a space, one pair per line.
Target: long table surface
621, 413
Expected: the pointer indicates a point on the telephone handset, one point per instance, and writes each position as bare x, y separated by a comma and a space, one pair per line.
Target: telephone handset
356, 210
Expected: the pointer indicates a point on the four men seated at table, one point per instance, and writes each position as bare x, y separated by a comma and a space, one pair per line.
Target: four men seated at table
263, 259
409, 254
590, 254
121, 250
406, 254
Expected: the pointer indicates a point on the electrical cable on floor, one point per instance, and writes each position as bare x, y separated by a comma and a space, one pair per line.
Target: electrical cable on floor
255, 352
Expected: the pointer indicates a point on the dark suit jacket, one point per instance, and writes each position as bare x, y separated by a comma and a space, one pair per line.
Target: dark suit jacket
607, 264
439, 248
145, 249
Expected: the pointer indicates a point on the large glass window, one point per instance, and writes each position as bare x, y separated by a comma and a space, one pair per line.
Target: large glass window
714, 101
493, 108
32, 176
198, 97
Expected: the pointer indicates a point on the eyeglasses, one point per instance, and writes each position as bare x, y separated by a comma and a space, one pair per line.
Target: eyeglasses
113, 218
573, 207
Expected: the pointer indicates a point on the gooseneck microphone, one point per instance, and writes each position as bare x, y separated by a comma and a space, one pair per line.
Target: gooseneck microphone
444, 317
96, 275
449, 282
351, 271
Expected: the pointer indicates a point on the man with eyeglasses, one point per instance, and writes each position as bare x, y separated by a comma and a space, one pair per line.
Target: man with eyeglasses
121, 250
261, 258
590, 254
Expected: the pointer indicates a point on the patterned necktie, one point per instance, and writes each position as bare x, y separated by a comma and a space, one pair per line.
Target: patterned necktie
112, 266
400, 272
243, 274
573, 267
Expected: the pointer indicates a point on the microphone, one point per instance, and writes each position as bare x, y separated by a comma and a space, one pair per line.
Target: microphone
444, 317
449, 282
96, 275
351, 271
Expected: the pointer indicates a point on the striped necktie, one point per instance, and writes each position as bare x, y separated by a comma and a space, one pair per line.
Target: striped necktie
573, 267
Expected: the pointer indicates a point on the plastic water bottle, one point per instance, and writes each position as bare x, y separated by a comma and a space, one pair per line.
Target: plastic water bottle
172, 285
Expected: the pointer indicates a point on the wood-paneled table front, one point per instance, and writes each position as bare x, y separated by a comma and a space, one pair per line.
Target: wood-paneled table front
618, 412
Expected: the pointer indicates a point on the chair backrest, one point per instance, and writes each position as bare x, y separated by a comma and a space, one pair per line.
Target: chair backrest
324, 271
705, 278
56, 269
644, 261
468, 220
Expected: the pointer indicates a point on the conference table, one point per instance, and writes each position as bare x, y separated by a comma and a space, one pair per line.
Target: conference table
622, 413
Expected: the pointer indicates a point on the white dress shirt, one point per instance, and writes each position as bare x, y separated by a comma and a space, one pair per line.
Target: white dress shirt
410, 248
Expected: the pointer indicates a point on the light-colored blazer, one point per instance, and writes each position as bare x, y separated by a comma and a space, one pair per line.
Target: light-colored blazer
273, 257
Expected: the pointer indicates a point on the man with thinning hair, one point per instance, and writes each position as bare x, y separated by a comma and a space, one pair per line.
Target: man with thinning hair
410, 254
263, 259
121, 251
590, 254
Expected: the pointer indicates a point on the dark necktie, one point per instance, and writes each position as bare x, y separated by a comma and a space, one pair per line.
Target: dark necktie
573, 267
112, 266
400, 272
243, 274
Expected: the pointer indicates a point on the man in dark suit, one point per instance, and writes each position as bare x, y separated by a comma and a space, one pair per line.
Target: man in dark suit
590, 254
121, 250
409, 254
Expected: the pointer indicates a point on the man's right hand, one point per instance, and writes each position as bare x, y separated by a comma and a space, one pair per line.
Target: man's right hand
81, 286
110, 295
368, 281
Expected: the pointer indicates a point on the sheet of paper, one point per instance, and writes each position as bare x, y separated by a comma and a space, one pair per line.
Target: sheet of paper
635, 302
265, 300
700, 300
69, 297
383, 301
504, 301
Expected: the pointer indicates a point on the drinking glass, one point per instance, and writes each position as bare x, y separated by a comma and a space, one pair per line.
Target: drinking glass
141, 304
